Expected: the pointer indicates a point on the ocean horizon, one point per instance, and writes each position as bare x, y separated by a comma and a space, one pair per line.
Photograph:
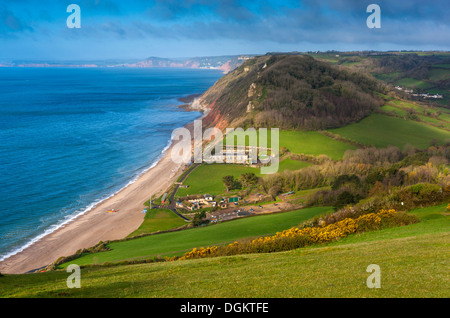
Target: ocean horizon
72, 137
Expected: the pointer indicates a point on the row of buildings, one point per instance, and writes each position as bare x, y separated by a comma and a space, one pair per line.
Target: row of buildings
423, 95
206, 201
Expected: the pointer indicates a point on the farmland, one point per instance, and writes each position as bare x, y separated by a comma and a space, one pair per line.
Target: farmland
176, 243
381, 131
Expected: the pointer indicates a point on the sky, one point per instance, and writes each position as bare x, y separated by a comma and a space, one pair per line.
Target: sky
137, 29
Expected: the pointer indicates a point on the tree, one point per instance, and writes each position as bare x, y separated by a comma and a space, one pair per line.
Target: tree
345, 198
273, 191
351, 181
229, 182
248, 179
199, 219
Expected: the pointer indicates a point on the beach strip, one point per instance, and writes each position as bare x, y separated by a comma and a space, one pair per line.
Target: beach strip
98, 224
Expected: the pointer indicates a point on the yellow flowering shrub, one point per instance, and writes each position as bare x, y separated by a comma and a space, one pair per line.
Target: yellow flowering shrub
200, 252
298, 237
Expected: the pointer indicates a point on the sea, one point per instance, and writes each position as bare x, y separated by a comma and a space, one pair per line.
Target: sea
72, 137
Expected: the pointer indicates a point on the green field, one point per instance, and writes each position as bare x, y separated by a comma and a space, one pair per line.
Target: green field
388, 77
176, 243
413, 260
381, 131
289, 164
398, 111
313, 143
413, 83
207, 178
431, 115
158, 220
439, 74
307, 142
442, 66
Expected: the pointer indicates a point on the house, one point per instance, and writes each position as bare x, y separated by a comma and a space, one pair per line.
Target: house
194, 206
234, 199
208, 197
179, 204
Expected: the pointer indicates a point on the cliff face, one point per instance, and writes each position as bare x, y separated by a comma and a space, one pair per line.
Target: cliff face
290, 92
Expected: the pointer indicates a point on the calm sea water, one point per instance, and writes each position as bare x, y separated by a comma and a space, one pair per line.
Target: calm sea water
69, 138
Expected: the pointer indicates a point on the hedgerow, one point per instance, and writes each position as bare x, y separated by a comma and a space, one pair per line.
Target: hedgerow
297, 237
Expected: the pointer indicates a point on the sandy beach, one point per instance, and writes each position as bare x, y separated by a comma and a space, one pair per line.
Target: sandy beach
97, 224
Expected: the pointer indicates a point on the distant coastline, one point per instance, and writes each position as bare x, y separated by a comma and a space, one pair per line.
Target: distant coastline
225, 63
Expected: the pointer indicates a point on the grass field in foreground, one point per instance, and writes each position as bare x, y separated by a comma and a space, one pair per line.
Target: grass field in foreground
158, 220
413, 264
176, 243
381, 131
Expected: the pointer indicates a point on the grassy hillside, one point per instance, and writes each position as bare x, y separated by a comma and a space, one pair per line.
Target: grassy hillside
313, 143
289, 164
207, 178
301, 96
304, 142
291, 91
158, 220
381, 131
413, 261
176, 243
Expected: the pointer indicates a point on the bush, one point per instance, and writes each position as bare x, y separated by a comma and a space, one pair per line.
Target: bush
300, 237
199, 219
419, 195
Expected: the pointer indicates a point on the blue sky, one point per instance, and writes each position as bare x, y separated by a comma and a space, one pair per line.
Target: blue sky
122, 29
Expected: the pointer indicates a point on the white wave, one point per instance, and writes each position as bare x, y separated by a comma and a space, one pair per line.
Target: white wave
72, 217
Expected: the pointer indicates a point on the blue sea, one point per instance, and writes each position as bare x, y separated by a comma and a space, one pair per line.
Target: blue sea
71, 137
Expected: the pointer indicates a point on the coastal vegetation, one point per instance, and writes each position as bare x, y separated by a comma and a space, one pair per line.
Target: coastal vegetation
177, 243
414, 267
364, 169
297, 237
292, 92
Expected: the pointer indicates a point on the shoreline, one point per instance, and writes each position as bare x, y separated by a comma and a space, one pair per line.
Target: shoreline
95, 224
72, 217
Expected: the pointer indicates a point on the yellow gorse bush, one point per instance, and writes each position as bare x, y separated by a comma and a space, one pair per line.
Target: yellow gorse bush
318, 234
200, 252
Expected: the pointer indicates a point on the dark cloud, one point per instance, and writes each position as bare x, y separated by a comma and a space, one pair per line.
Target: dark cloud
334, 23
10, 23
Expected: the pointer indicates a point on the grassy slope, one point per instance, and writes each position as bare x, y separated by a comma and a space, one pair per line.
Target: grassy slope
313, 143
158, 220
306, 142
208, 178
176, 243
413, 261
289, 164
381, 131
